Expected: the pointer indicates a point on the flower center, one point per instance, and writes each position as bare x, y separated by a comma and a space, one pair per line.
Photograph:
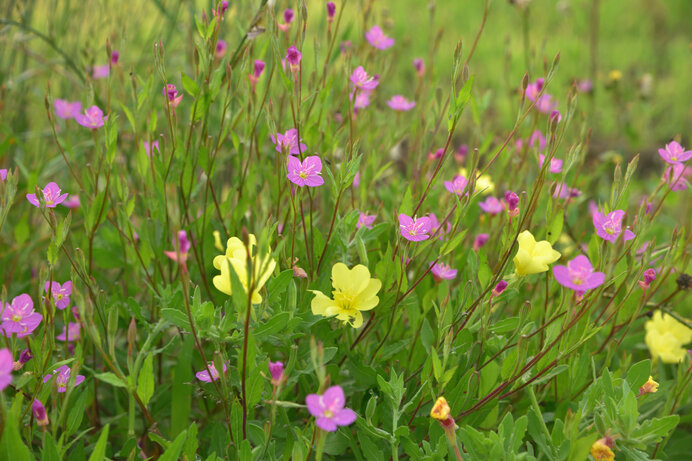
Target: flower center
303, 174
58, 297
345, 301
412, 232
577, 281
16, 317
328, 414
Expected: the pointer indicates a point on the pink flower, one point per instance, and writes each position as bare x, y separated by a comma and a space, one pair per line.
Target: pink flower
545, 104
99, 72
675, 176
171, 93
499, 288
331, 11
537, 137
6, 364
62, 377
204, 374
360, 79
356, 179
419, 65
72, 202
674, 153
578, 275
3, 174
480, 241
305, 173
288, 15
257, 72
221, 48
414, 230
39, 412
362, 99
67, 110
345, 46
435, 227
293, 56
92, 118
555, 164
649, 277
276, 370
512, 201
563, 191
533, 89
400, 103
148, 148
60, 293
378, 39
442, 271
115, 56
556, 115
609, 227
584, 86
365, 220
183, 247
437, 154
51, 195
19, 317
492, 206
288, 140
73, 332
461, 153
329, 409
24, 357
456, 185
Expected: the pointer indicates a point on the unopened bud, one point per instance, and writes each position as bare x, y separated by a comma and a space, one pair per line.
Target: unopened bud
39, 412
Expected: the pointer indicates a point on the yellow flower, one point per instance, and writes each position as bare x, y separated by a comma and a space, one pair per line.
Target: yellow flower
354, 291
650, 386
665, 337
483, 182
533, 257
615, 75
602, 452
440, 410
236, 257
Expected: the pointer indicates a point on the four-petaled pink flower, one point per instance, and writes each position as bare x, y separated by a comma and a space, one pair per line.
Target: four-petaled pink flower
328, 409
378, 39
578, 275
441, 271
675, 153
609, 227
545, 104
91, 118
65, 109
534, 89
288, 19
182, 246
289, 141
98, 72
555, 164
19, 317
649, 277
414, 230
492, 206
221, 48
400, 103
258, 68
675, 176
204, 374
171, 93
62, 377
51, 195
456, 185
537, 137
60, 293
361, 80
362, 99
365, 220
72, 333
276, 370
6, 364
305, 173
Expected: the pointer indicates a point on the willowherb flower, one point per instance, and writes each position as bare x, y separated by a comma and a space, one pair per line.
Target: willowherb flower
533, 257
115, 57
609, 227
236, 259
62, 377
172, 95
60, 293
289, 141
305, 173
6, 364
331, 11
537, 138
72, 333
149, 148
676, 177
480, 241
72, 202
456, 185
293, 57
276, 370
258, 68
578, 275
533, 89
376, 37
649, 277
220, 50
436, 228
545, 104
328, 409
361, 101
555, 116
414, 230
665, 338
24, 357
19, 317
99, 72
492, 206
182, 247
419, 65
441, 271
400, 103
499, 288
361, 80
354, 292
91, 118
39, 412
67, 110
365, 220
563, 191
512, 201
51, 195
204, 374
584, 86
555, 164
674, 153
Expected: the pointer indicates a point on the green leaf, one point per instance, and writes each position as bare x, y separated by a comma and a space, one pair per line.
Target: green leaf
99, 453
181, 393
11, 446
173, 451
145, 381
555, 228
176, 317
189, 85
111, 379
638, 374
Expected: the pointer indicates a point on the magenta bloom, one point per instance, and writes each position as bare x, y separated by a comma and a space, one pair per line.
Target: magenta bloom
378, 39
556, 115
19, 317
329, 409
356, 179
72, 202
288, 15
276, 369
361, 80
480, 241
365, 220
3, 174
555, 164
183, 247
258, 68
62, 377
492, 206
99, 72
578, 275
400, 103
419, 65
331, 11
73, 332
609, 227
92, 118
537, 137
293, 56
414, 230
61, 293
457, 185
442, 271
221, 48
362, 99
6, 364
437, 154
51, 195
533, 89
24, 357
674, 153
115, 56
148, 148
584, 86
204, 374
39, 412
288, 140
306, 173
649, 277
562, 190
676, 177
66, 110
436, 227
545, 104
171, 93
499, 288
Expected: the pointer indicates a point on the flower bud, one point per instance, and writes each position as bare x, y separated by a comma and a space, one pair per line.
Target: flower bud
39, 412
601, 449
24, 357
499, 288
331, 11
649, 387
276, 369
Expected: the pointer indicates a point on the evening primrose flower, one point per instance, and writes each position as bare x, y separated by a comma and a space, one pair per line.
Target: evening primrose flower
609, 227
442, 271
361, 80
400, 103
236, 258
91, 118
578, 275
51, 195
414, 230
65, 109
19, 317
354, 291
533, 257
649, 387
206, 377
328, 409
39, 412
305, 173
376, 37
674, 153
60, 293
62, 377
665, 338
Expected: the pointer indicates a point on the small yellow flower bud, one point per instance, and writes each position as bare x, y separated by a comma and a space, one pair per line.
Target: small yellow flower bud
440, 410
601, 451
650, 386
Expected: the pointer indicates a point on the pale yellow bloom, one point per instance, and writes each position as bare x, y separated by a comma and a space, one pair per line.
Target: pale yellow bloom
354, 291
533, 257
483, 183
665, 338
440, 410
236, 258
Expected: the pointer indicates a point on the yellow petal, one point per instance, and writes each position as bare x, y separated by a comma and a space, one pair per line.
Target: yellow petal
367, 298
320, 303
